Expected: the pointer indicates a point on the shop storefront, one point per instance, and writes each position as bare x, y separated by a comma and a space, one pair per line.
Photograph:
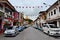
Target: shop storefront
6, 23
1, 20
55, 21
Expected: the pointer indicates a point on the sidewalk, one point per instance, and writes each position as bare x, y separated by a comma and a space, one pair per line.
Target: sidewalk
1, 32
1, 35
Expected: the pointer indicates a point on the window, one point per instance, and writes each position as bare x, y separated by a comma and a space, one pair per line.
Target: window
10, 28
10, 13
1, 7
51, 13
55, 11
59, 9
6, 10
53, 26
45, 26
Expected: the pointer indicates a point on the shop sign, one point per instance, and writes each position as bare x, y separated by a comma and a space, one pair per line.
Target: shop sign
6, 20
5, 15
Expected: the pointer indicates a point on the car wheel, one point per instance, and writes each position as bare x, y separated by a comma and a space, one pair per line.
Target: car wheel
49, 33
44, 31
15, 34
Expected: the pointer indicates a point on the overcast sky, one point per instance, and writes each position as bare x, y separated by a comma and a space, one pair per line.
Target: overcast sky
31, 12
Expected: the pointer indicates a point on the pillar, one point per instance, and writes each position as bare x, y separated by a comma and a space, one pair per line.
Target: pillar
57, 23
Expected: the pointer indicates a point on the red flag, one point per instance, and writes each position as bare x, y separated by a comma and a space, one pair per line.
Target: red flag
41, 6
33, 6
23, 7
38, 6
26, 7
16, 6
29, 7
19, 6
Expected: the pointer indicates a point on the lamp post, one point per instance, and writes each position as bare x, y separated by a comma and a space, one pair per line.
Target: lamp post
46, 4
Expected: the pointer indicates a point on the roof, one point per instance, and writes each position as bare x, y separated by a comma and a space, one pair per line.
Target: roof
8, 3
42, 12
52, 6
3, 0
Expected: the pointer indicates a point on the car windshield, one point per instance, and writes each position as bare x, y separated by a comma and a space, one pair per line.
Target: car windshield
53, 26
10, 28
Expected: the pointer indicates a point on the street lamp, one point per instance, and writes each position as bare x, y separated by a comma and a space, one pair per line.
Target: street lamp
46, 4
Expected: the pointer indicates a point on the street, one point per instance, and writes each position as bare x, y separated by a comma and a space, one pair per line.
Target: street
30, 34
28, 18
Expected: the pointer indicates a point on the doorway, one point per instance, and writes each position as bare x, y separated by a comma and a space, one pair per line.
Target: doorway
54, 22
0, 24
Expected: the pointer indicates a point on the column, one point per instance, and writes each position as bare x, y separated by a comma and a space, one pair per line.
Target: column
57, 23
3, 18
12, 19
3, 8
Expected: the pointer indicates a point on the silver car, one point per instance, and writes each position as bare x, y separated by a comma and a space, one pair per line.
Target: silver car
11, 31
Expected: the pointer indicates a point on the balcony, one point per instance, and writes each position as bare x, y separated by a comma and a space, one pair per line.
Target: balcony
57, 16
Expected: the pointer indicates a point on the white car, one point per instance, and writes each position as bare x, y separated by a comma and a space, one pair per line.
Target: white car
51, 29
11, 31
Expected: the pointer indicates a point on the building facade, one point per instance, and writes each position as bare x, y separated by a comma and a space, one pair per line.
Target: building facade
42, 17
6, 13
53, 14
16, 18
21, 18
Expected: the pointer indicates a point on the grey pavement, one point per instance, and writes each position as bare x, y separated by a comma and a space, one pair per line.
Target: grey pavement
30, 34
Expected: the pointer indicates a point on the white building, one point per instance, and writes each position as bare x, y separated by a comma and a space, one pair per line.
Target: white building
53, 14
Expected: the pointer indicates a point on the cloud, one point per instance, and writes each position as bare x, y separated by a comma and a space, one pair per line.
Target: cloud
31, 12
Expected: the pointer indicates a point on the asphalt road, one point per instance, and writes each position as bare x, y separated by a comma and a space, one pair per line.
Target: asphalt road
30, 34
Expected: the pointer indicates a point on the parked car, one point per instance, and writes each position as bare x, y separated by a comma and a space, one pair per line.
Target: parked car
51, 29
36, 27
40, 28
20, 28
11, 31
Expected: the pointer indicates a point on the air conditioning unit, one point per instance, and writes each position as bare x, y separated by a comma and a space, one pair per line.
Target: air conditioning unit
8, 13
5, 15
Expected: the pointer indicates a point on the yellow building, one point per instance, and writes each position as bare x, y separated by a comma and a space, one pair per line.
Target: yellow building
26, 17
21, 18
42, 16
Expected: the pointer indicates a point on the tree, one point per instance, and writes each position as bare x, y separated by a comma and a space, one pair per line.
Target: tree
29, 20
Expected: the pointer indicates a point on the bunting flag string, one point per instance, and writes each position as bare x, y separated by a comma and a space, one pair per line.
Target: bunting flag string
28, 6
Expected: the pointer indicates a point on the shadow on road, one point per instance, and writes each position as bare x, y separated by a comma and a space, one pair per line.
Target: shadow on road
56, 37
